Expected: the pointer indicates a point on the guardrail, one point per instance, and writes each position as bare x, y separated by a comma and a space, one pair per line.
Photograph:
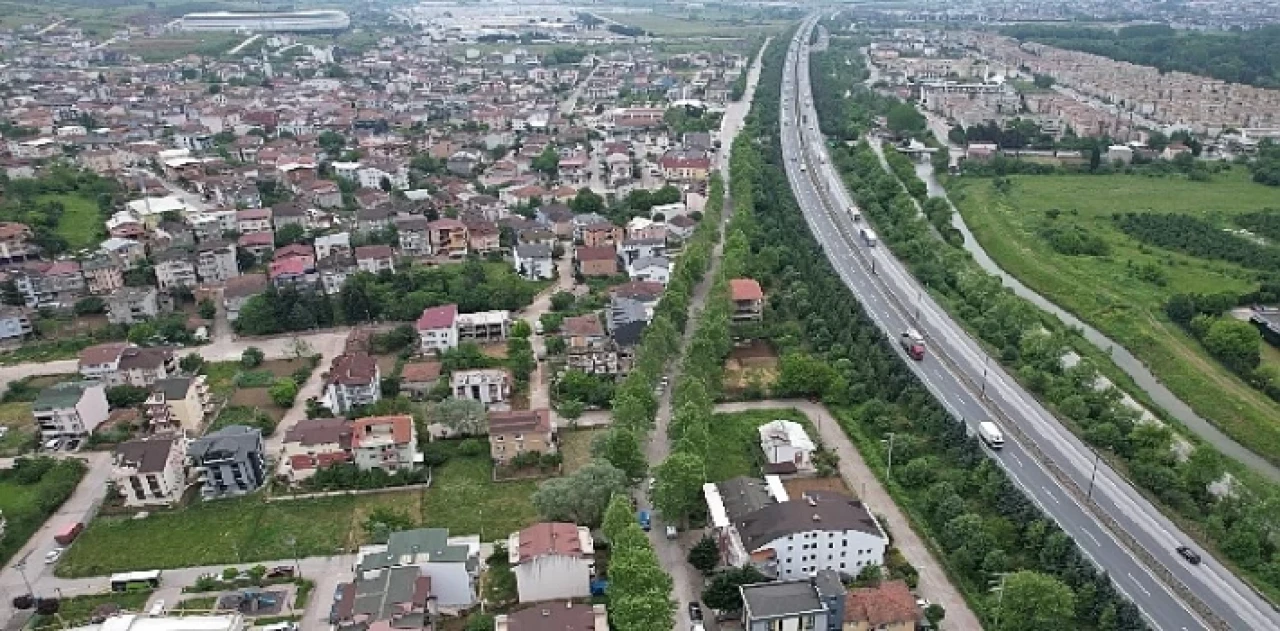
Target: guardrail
1158, 569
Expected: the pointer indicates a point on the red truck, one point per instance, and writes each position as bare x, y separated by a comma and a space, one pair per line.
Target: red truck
913, 343
68, 533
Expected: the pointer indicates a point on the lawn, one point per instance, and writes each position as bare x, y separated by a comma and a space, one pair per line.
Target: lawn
22, 429
1106, 292
81, 223
737, 441
77, 610
248, 529
27, 503
171, 47
575, 446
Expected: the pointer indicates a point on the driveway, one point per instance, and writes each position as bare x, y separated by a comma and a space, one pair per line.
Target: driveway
539, 381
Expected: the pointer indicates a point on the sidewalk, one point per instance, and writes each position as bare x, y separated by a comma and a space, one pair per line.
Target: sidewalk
934, 584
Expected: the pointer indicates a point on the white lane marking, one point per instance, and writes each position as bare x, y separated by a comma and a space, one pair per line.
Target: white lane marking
1050, 494
1135, 582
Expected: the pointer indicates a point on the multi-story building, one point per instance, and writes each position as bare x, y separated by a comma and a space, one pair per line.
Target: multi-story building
490, 386
15, 243
216, 261
555, 616
533, 261
102, 274
438, 328
389, 443
375, 258
815, 603
253, 220
314, 444
758, 523
70, 409
484, 327
179, 403
354, 380
15, 324
632, 302
175, 268
748, 300
520, 431
129, 305
412, 234
229, 461
589, 349
448, 237
552, 560
152, 470
142, 367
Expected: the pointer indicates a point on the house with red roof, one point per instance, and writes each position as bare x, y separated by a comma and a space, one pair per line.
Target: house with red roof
353, 380
748, 300
438, 328
683, 165
389, 443
293, 272
552, 560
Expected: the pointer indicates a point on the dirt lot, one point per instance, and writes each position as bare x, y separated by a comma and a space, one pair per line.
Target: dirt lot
798, 486
259, 398
282, 367
755, 363
576, 447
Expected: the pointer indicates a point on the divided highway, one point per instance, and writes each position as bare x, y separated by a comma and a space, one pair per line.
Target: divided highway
1116, 527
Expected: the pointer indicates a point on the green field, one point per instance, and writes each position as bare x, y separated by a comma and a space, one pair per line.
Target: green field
737, 441
700, 24
78, 610
81, 223
1109, 291
462, 499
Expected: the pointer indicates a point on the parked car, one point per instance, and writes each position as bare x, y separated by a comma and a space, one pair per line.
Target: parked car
695, 612
281, 571
672, 533
646, 523
52, 556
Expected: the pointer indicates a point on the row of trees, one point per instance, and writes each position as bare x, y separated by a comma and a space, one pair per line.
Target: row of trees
980, 520
1266, 166
1198, 238
1032, 346
639, 587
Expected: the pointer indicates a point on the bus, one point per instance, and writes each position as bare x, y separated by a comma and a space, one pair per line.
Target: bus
127, 581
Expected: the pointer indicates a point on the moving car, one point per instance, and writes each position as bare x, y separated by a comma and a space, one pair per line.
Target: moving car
695, 612
52, 556
672, 533
1190, 555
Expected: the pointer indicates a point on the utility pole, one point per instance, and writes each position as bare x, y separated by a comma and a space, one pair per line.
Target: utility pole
889, 469
1000, 600
21, 567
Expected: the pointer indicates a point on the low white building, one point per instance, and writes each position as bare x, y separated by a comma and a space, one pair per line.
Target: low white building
552, 560
452, 563
786, 443
70, 409
490, 386
533, 261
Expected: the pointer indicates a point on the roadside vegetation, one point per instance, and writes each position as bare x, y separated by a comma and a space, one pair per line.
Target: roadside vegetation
1173, 470
979, 523
32, 492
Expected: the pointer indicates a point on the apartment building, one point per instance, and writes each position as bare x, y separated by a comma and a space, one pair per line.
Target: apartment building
70, 409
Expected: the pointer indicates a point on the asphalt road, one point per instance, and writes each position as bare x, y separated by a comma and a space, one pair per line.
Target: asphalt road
960, 375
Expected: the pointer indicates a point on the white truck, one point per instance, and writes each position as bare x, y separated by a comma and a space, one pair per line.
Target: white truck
990, 434
868, 236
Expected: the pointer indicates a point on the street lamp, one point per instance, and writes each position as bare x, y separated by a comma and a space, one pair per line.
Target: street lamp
21, 567
292, 542
999, 589
889, 470
1089, 496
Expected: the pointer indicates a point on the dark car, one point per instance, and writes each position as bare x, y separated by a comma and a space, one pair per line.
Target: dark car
1190, 555
280, 571
695, 612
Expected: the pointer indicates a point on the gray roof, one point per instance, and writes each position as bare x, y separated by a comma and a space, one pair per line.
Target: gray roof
148, 455
237, 440
130, 294
388, 595
175, 388
780, 599
815, 511
743, 496
533, 251
414, 547
62, 395
828, 584
651, 261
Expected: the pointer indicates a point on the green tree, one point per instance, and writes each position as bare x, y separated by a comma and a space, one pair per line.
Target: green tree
11, 295
618, 520
905, 119
283, 392
722, 593
461, 417
126, 396
289, 234
547, 162
677, 488
705, 555
207, 309
587, 201
191, 363
582, 496
1033, 601
1235, 343
562, 301
620, 447
252, 357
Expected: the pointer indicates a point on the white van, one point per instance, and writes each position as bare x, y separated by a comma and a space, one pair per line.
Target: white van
990, 434
868, 237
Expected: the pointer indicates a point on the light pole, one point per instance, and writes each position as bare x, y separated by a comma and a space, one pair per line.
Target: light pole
889, 470
1089, 496
21, 567
986, 360
292, 541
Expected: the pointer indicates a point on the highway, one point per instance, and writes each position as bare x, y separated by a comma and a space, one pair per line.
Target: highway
1114, 525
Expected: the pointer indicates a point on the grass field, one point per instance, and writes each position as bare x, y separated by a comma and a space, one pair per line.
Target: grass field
737, 441
22, 428
171, 47
715, 24
1106, 292
462, 499
81, 221
575, 446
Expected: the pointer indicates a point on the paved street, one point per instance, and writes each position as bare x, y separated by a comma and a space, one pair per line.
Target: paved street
539, 381
1115, 526
687, 581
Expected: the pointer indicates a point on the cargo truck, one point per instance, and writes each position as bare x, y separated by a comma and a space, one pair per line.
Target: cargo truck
990, 434
913, 343
868, 237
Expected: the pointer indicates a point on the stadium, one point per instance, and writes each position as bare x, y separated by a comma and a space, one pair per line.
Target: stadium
324, 20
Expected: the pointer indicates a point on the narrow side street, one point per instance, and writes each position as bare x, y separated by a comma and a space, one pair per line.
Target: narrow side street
687, 581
